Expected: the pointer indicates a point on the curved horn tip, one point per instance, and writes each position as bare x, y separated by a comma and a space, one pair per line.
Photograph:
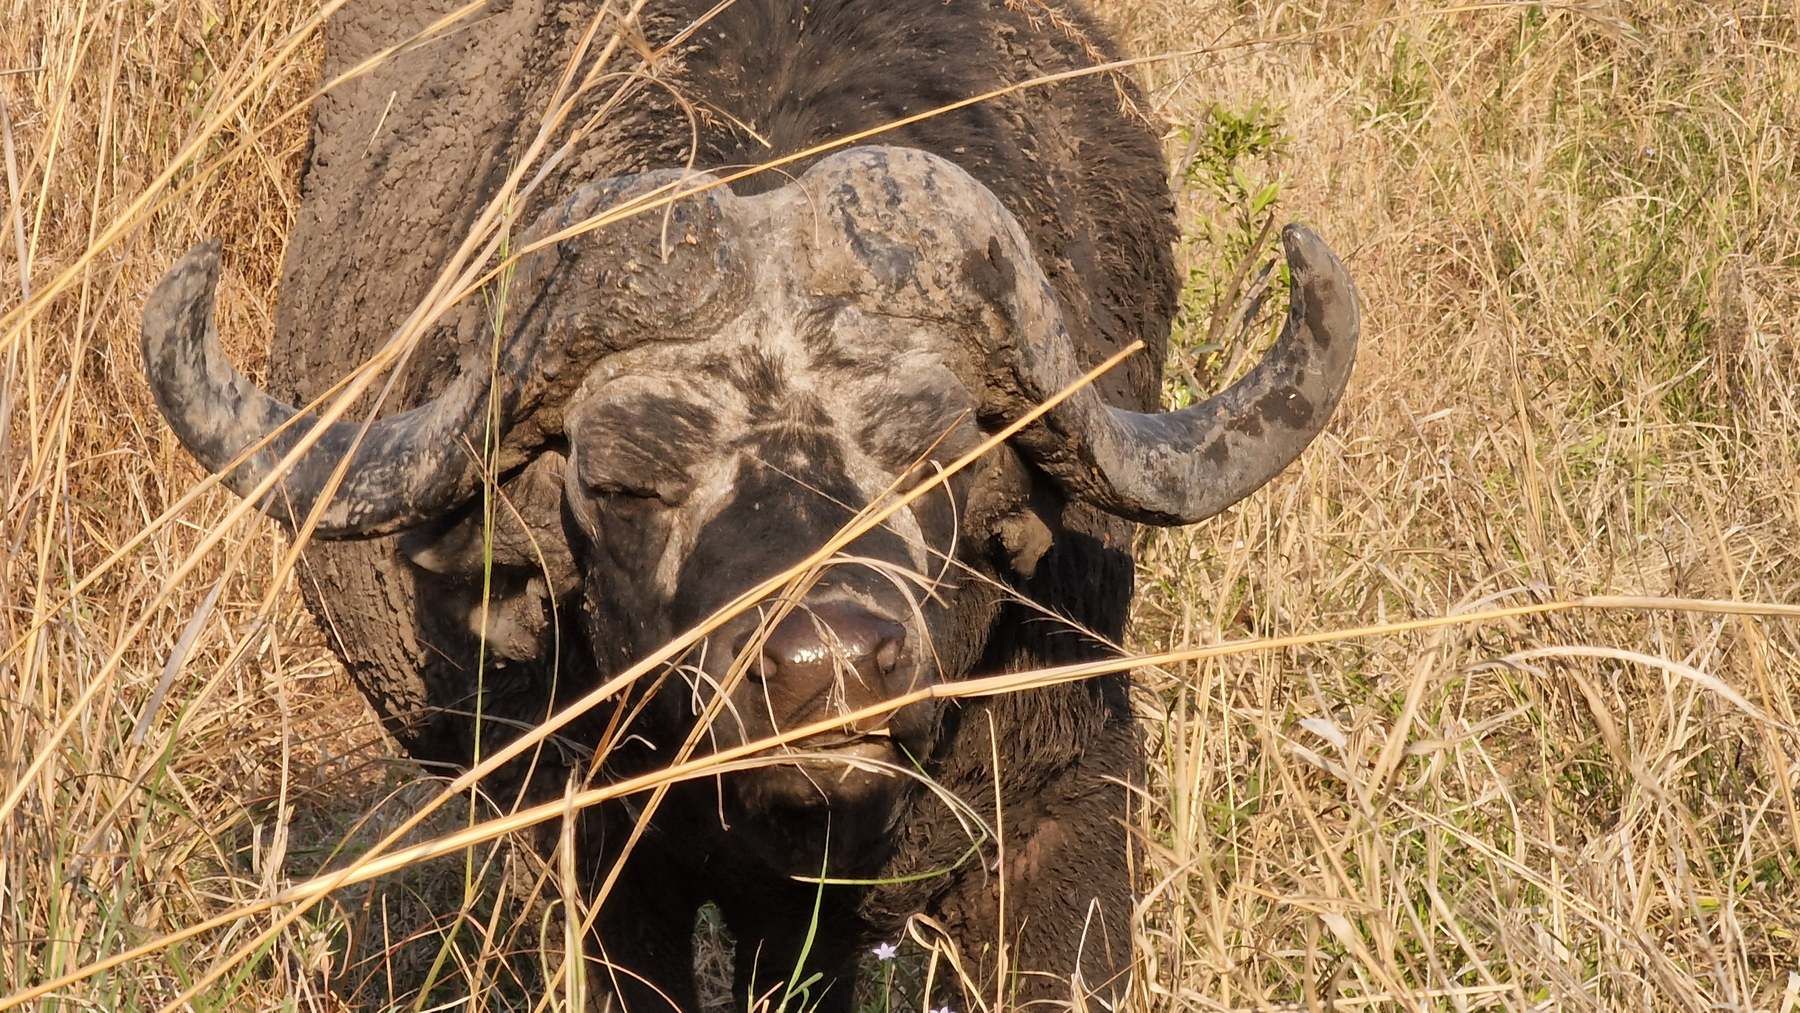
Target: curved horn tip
1322, 286
191, 280
197, 267
1306, 251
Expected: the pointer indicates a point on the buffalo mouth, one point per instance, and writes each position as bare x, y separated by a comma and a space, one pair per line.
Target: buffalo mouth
822, 772
824, 804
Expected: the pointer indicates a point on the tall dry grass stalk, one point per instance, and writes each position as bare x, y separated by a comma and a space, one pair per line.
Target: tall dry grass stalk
1573, 226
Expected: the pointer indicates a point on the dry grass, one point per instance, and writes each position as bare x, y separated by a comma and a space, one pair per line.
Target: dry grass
1574, 227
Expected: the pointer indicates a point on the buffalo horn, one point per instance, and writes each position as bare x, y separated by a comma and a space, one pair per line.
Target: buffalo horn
961, 244
408, 468
573, 300
1184, 466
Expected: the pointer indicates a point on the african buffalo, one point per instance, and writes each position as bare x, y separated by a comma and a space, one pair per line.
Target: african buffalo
694, 398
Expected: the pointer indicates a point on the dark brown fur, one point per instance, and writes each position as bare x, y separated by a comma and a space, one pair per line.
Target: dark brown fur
390, 187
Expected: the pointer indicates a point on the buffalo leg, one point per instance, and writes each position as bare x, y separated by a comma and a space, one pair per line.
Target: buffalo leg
773, 937
1066, 880
642, 951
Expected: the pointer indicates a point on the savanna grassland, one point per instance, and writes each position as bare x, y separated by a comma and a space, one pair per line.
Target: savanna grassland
1503, 706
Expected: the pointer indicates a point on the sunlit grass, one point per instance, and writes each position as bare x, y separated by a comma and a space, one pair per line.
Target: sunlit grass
1574, 230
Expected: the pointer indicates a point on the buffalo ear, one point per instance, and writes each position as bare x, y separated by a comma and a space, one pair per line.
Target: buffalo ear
532, 564
1024, 538
527, 538
1010, 506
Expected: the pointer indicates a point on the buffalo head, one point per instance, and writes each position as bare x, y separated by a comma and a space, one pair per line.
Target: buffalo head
697, 397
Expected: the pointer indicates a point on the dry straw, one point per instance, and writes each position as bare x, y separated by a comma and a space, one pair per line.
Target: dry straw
1573, 447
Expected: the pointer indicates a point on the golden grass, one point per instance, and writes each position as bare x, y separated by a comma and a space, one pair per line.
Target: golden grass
1574, 229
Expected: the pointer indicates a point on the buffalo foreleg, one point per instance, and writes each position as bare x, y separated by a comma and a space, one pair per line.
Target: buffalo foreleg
1062, 870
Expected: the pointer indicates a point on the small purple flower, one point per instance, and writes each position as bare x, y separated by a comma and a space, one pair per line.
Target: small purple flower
886, 952
943, 1009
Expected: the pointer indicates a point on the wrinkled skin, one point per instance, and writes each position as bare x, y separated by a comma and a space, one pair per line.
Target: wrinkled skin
697, 465
696, 399
696, 468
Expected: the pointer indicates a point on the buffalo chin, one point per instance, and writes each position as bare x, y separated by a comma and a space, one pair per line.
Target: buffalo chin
832, 811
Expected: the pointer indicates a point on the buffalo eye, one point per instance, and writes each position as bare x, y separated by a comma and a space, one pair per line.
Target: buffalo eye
619, 470
635, 440
650, 488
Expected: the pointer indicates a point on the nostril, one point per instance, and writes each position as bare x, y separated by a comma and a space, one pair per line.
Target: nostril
759, 667
825, 641
887, 656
